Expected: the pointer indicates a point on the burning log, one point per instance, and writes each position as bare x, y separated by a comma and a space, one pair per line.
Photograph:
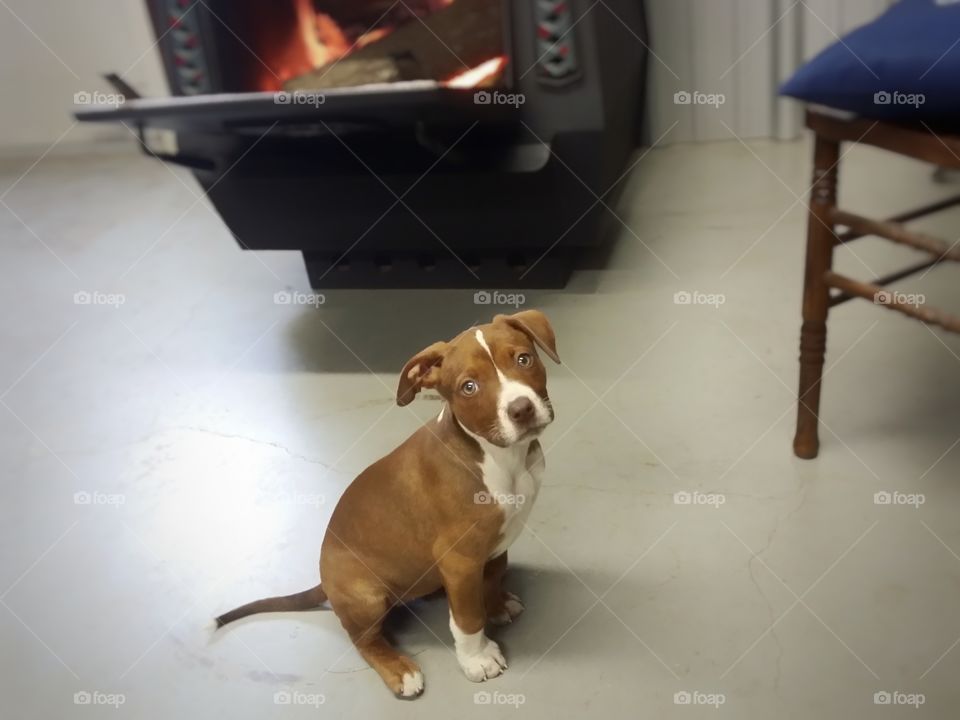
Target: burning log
461, 35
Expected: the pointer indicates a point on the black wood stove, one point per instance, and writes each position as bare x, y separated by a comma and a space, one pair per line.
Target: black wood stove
439, 143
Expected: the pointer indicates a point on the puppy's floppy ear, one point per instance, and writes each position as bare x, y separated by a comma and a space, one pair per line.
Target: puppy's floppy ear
421, 371
534, 324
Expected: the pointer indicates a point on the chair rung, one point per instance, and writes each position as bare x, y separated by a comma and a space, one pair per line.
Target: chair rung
928, 315
919, 212
897, 233
887, 279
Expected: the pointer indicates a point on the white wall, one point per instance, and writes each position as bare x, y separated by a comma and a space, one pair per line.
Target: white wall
59, 47
742, 49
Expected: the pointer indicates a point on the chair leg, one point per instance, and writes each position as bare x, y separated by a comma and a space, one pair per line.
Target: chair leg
821, 239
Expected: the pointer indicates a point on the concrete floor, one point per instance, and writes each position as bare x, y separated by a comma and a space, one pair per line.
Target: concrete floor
209, 432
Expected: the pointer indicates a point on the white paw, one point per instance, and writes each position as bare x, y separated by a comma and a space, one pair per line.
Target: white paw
412, 684
484, 664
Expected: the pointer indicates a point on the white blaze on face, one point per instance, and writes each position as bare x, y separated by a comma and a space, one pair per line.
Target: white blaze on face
509, 391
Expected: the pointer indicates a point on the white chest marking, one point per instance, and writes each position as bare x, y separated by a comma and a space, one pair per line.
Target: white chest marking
513, 482
512, 477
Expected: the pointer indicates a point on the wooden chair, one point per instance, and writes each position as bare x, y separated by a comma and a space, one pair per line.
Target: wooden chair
823, 288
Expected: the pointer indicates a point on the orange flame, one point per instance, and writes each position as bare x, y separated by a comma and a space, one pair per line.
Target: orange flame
372, 36
315, 41
476, 77
321, 36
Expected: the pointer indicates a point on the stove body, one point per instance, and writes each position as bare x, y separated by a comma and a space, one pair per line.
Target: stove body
413, 183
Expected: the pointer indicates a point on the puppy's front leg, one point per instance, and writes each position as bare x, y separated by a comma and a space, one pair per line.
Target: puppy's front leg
478, 655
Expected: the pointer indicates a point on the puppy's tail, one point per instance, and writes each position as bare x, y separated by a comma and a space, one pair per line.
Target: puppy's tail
306, 600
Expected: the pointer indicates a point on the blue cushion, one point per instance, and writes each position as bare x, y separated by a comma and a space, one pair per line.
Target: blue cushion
903, 66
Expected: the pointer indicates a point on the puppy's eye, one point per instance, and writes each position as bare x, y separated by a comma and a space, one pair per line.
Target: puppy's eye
524, 360
469, 387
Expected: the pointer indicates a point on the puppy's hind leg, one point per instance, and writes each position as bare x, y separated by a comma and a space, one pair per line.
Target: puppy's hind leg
362, 617
502, 606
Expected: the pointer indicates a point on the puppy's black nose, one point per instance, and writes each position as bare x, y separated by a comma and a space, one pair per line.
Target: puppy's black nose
521, 411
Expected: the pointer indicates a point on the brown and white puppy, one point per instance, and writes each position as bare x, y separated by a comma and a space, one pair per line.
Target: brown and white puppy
441, 510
